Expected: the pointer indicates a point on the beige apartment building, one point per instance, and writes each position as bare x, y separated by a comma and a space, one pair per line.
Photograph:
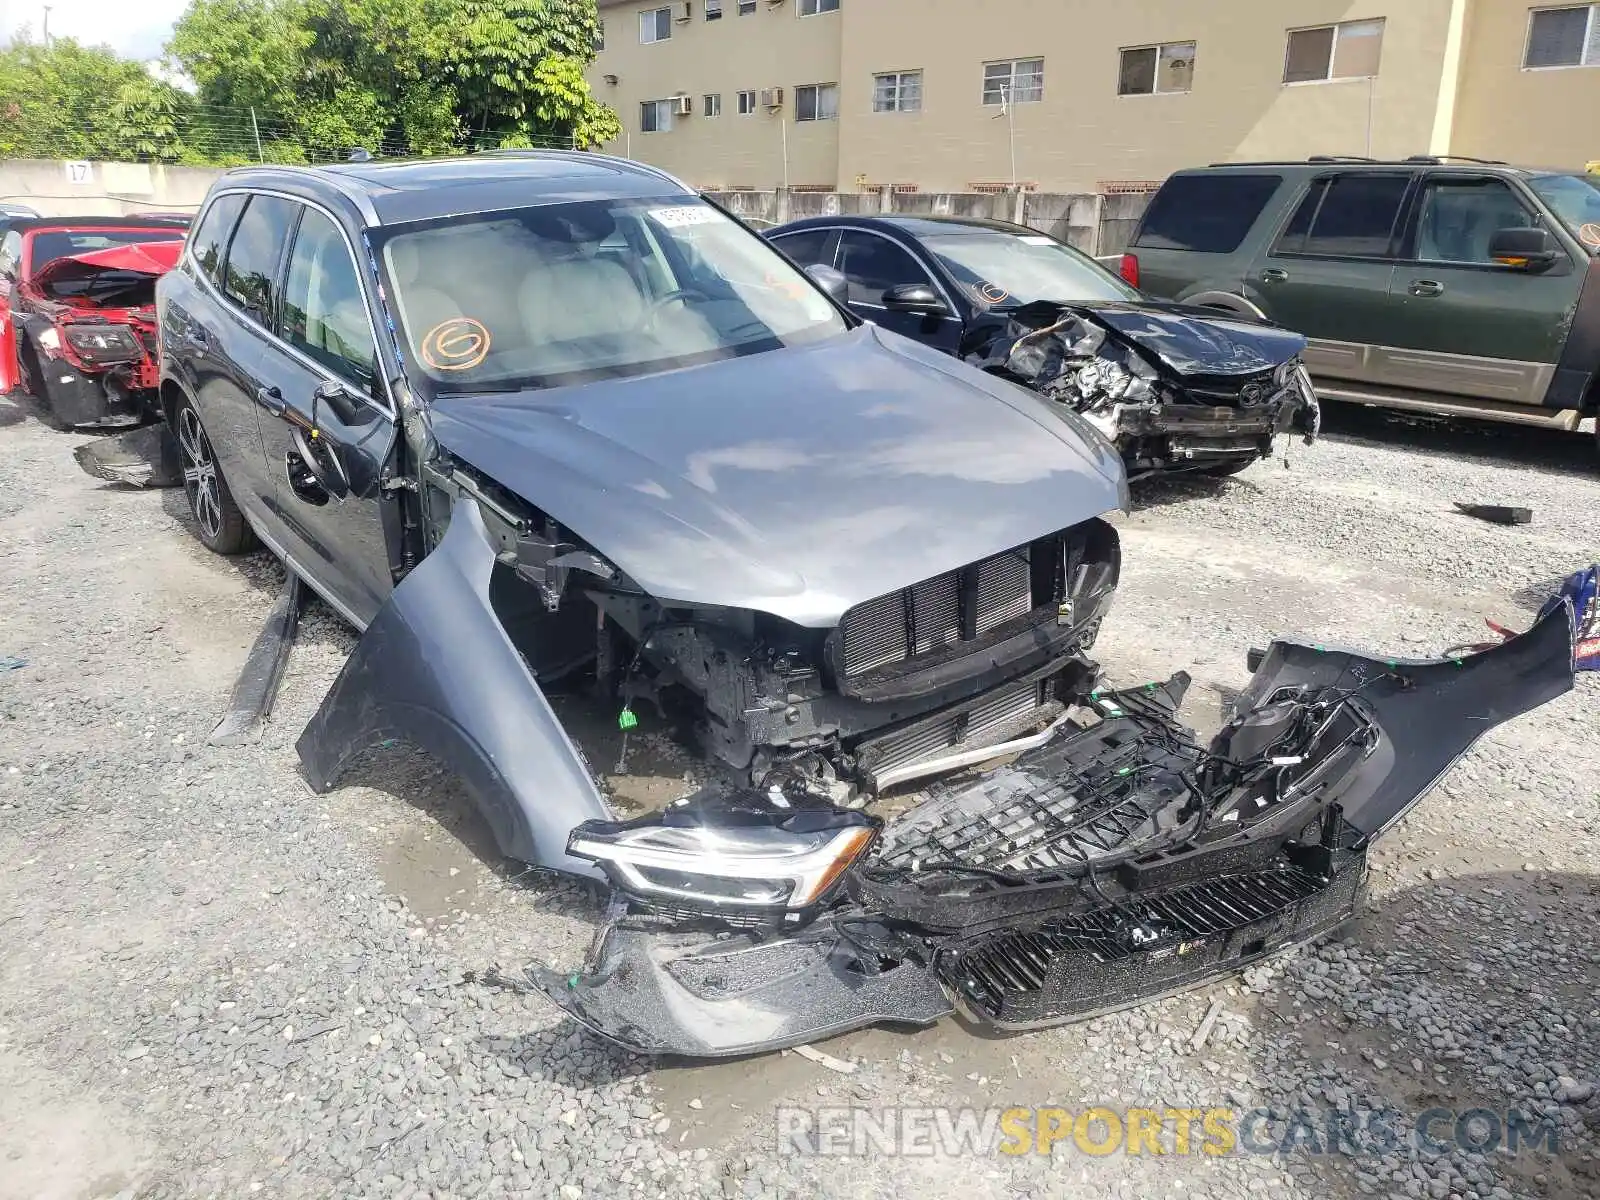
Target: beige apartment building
1086, 95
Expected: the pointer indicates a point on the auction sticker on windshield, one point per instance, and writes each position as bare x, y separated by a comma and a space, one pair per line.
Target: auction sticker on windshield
684, 214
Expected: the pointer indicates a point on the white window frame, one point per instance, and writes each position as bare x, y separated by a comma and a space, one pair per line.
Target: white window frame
713, 10
711, 104
900, 77
662, 108
1588, 56
816, 8
816, 104
1155, 83
654, 14
747, 8
745, 105
1008, 90
1338, 28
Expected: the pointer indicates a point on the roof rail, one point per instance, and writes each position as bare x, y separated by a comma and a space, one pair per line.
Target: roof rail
1450, 158
1357, 158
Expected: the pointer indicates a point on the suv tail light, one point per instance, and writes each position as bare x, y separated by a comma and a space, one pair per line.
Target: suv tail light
1130, 268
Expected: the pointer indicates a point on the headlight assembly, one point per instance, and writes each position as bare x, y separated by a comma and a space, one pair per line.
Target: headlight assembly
740, 850
103, 343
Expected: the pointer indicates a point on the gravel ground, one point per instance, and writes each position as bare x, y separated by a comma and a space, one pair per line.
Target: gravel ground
213, 983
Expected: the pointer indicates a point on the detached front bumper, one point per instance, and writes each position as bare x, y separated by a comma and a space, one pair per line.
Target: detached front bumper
1078, 878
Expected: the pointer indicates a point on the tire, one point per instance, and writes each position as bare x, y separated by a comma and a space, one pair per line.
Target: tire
218, 523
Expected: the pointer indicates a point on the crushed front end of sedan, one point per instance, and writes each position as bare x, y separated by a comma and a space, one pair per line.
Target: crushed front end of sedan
1176, 389
89, 322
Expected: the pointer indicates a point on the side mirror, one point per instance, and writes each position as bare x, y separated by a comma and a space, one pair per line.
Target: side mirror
832, 281
1524, 249
914, 298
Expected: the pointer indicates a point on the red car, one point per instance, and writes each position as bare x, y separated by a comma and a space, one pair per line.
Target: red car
77, 313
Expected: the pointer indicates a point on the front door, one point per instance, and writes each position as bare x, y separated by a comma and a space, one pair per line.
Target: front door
1460, 322
10, 269
873, 264
327, 431
1327, 275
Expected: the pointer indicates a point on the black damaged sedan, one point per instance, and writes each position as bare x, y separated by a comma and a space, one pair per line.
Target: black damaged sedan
551, 423
1176, 388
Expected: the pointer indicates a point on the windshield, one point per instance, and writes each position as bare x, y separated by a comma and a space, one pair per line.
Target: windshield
567, 293
1002, 270
53, 244
1576, 200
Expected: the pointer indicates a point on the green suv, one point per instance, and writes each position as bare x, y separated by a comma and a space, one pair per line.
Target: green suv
1444, 285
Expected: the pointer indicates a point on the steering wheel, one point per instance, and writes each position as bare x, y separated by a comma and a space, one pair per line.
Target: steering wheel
659, 304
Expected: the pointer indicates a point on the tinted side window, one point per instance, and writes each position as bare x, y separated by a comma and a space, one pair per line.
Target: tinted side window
324, 314
1347, 215
1207, 213
873, 265
805, 247
209, 241
1457, 218
254, 252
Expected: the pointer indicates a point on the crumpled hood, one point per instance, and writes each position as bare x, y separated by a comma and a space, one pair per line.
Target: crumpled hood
141, 258
1190, 341
797, 482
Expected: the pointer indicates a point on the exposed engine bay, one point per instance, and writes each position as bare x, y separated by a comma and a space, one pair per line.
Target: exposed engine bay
1172, 392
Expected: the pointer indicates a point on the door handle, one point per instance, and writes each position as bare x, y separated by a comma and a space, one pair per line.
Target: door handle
1274, 275
271, 399
1426, 287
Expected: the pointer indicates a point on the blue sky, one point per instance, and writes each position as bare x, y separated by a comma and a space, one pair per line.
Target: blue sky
136, 28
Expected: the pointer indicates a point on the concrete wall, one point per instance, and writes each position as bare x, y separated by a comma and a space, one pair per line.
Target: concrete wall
1098, 225
62, 189
1536, 118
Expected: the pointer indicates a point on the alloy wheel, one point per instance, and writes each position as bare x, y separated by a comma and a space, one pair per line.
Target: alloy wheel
199, 474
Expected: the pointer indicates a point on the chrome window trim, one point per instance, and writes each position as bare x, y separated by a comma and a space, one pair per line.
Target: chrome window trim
387, 405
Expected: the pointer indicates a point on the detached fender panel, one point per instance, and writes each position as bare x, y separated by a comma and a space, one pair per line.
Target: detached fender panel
436, 668
1431, 711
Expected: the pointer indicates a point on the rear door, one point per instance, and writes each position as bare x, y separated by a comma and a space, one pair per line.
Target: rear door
1461, 322
327, 428
1192, 239
218, 331
1328, 271
873, 263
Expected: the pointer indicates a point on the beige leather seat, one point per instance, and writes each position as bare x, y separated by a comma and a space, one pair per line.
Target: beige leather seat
566, 298
423, 304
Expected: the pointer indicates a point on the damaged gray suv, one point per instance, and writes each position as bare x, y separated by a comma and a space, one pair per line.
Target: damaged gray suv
542, 424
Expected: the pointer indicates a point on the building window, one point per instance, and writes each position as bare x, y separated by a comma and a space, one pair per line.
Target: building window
1020, 82
747, 7
655, 116
599, 36
713, 10
810, 8
747, 103
1563, 37
713, 104
897, 91
816, 102
1347, 51
655, 25
1156, 70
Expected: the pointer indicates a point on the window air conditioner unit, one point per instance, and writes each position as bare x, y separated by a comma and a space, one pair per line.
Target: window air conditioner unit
772, 97
685, 12
683, 106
